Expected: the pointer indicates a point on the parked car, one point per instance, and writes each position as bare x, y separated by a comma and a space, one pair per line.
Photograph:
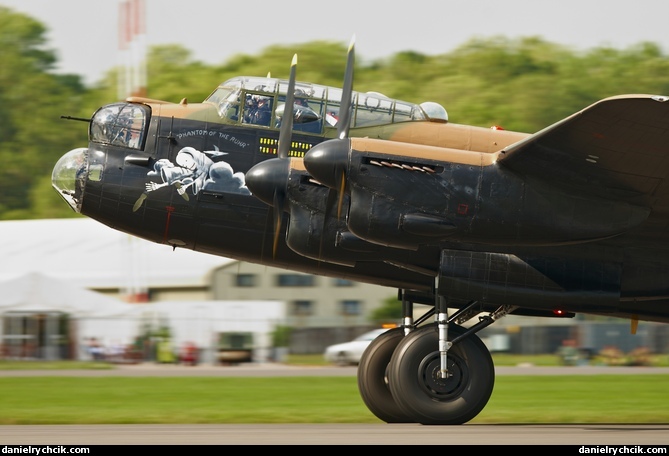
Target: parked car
235, 348
350, 352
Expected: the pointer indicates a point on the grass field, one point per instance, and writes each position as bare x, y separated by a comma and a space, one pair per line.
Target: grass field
118, 400
499, 359
516, 399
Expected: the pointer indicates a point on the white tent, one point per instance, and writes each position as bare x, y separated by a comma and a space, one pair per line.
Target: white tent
35, 292
31, 307
201, 322
114, 323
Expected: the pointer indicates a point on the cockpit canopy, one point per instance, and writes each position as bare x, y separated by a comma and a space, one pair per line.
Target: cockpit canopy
260, 101
120, 124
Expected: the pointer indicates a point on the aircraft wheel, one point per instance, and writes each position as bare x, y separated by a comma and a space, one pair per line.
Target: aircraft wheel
428, 399
372, 377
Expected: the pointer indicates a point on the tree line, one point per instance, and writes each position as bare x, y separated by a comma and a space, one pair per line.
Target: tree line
522, 84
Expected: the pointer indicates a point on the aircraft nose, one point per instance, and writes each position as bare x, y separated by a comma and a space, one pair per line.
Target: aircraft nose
68, 176
268, 176
327, 160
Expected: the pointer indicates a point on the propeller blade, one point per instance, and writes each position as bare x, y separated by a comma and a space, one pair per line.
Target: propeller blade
345, 116
283, 148
327, 162
268, 180
342, 188
285, 132
344, 122
279, 199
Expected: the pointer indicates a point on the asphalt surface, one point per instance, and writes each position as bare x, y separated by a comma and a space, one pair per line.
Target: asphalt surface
337, 434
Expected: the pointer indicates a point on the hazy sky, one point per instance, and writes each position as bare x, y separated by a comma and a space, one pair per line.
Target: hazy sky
84, 32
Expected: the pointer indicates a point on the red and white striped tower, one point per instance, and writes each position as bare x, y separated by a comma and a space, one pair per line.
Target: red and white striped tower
132, 82
132, 48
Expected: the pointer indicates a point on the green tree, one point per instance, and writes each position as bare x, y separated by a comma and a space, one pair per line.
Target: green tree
522, 84
389, 312
31, 102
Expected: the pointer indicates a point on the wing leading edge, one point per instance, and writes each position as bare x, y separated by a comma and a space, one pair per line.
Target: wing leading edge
617, 148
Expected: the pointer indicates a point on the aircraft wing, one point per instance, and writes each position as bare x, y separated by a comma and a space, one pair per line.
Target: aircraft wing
616, 148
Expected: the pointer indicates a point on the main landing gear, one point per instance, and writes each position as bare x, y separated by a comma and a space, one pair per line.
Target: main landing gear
429, 373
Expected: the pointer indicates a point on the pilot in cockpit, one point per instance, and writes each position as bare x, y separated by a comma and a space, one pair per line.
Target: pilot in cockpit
258, 109
300, 107
304, 116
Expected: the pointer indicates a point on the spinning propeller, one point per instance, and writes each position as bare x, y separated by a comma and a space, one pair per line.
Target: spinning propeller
327, 161
268, 180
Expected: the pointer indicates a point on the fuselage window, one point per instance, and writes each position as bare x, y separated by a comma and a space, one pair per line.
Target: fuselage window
226, 100
372, 110
405, 112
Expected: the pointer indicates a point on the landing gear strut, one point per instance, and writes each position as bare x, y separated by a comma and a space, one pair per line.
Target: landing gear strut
430, 373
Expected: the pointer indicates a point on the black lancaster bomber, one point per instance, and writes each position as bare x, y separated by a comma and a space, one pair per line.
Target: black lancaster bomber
478, 223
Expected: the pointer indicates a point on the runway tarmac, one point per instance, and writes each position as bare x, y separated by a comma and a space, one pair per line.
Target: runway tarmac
328, 434
336, 434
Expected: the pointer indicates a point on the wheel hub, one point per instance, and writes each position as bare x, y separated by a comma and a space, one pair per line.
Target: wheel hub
440, 388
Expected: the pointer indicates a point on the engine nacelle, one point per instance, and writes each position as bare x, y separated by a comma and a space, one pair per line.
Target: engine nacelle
465, 202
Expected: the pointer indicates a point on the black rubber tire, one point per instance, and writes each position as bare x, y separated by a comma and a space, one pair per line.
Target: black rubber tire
427, 399
372, 377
